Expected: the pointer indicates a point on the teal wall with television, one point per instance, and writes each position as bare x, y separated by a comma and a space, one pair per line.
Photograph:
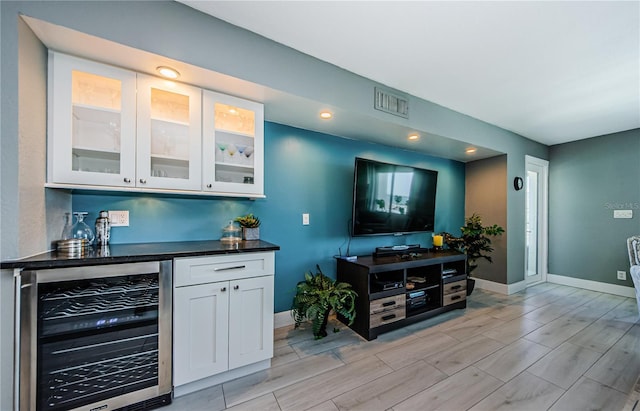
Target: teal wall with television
305, 172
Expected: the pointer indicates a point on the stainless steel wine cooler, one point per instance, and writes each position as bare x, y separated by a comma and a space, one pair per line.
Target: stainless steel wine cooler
95, 337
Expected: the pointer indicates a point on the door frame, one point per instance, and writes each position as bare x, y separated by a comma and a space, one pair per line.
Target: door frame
541, 166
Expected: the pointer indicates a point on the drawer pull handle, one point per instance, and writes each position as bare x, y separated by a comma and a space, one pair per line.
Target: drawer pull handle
388, 303
236, 287
235, 267
388, 317
223, 289
455, 297
455, 287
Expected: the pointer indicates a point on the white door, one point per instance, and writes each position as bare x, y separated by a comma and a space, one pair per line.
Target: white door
92, 123
232, 145
251, 321
536, 203
200, 329
169, 144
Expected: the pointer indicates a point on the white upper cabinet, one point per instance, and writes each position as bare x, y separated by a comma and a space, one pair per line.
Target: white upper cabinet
169, 134
233, 145
92, 123
113, 129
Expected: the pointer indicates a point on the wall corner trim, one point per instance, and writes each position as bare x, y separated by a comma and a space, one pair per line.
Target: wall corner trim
620, 290
282, 319
507, 289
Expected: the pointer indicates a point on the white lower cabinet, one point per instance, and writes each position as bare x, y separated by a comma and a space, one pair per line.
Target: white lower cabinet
222, 322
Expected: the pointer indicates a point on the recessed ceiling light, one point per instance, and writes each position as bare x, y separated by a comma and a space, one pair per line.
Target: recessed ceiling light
325, 115
167, 72
414, 136
471, 150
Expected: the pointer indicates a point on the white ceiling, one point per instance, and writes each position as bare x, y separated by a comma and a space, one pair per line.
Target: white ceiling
551, 71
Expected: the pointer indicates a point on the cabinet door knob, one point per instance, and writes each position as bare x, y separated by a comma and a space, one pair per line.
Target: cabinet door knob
127, 180
209, 185
143, 181
223, 289
236, 287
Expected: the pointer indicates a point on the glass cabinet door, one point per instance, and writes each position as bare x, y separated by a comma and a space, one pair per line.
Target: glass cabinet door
169, 134
233, 145
91, 123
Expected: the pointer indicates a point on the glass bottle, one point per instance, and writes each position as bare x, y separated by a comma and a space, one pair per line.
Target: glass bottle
81, 229
68, 227
103, 228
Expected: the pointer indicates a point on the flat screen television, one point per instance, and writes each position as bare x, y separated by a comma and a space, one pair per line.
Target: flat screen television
392, 199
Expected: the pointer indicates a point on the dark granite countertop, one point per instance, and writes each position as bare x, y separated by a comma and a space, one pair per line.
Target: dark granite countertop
133, 253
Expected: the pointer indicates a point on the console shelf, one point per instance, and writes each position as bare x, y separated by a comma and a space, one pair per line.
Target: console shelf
394, 291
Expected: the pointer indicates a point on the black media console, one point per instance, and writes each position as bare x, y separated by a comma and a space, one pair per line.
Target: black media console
397, 290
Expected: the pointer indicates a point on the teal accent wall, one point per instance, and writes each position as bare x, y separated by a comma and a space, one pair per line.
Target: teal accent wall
588, 179
305, 172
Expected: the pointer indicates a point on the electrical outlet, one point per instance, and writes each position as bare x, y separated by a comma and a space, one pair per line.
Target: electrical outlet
119, 218
305, 219
622, 275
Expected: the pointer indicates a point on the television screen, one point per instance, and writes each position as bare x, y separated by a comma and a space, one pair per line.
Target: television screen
392, 199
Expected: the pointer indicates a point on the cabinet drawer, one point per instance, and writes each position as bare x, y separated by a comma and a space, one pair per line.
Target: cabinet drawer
455, 287
386, 304
201, 270
386, 317
454, 298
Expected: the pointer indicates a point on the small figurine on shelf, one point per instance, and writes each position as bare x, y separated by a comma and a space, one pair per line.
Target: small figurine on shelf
250, 226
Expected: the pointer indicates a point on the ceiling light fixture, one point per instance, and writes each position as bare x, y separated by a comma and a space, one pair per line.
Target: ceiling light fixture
167, 72
414, 136
471, 150
325, 115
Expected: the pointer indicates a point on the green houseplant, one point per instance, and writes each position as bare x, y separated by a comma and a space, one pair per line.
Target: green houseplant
474, 241
316, 296
250, 226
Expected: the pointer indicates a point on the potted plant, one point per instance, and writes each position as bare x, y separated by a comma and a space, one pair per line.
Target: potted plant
316, 296
474, 242
250, 226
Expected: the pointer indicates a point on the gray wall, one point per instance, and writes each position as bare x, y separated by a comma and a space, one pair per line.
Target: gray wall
587, 180
486, 191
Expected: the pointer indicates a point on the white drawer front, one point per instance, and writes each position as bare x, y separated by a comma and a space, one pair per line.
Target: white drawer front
201, 270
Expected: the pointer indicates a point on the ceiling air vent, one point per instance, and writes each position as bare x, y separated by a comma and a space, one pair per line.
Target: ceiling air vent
391, 103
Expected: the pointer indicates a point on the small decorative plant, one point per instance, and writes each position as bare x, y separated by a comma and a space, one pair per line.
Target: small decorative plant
316, 296
248, 221
474, 240
250, 226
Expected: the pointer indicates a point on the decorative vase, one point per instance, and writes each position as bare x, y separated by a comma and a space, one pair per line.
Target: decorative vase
251, 233
471, 283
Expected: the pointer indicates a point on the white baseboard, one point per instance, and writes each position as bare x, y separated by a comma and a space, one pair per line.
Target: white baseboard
507, 289
282, 319
620, 290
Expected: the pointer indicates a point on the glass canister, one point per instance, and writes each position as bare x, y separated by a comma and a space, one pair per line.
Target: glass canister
231, 233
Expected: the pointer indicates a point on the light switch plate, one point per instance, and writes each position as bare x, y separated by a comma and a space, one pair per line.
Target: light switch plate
622, 213
305, 219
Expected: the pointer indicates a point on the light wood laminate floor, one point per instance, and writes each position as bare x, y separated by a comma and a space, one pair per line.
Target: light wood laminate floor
549, 347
